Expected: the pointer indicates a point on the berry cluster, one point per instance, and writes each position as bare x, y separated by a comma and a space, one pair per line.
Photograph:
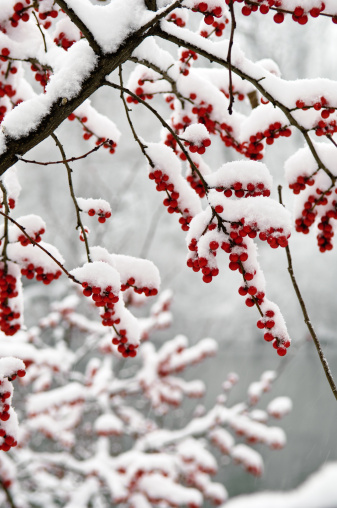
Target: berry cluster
102, 215
140, 92
88, 134
106, 299
41, 75
176, 18
30, 271
301, 182
251, 190
231, 237
299, 15
9, 316
216, 28
131, 282
196, 184
209, 13
199, 148
63, 41
163, 183
185, 58
326, 231
36, 236
254, 149
20, 13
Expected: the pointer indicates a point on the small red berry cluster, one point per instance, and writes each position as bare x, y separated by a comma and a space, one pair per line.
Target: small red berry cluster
176, 19
102, 216
20, 13
106, 299
186, 56
53, 13
299, 14
309, 214
163, 183
63, 41
326, 231
6, 390
9, 316
131, 282
253, 150
209, 12
41, 75
140, 92
200, 147
36, 236
196, 184
251, 190
301, 182
30, 271
88, 134
216, 28
231, 239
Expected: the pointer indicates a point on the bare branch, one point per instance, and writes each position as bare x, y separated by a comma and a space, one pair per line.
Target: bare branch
71, 188
306, 316
72, 159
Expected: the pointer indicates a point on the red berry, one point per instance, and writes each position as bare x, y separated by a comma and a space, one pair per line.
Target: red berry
279, 17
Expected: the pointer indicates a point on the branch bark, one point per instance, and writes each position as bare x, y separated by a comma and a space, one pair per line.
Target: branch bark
59, 111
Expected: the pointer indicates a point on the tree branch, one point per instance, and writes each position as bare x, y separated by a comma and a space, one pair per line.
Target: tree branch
307, 321
257, 83
71, 188
59, 110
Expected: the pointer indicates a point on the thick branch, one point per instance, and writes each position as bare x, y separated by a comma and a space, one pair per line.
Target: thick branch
60, 110
306, 316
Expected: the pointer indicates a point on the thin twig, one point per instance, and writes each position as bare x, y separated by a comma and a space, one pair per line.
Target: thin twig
229, 57
36, 244
7, 210
71, 188
306, 316
165, 125
72, 159
39, 27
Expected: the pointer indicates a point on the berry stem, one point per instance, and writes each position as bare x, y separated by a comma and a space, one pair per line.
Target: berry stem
306, 316
71, 159
71, 188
